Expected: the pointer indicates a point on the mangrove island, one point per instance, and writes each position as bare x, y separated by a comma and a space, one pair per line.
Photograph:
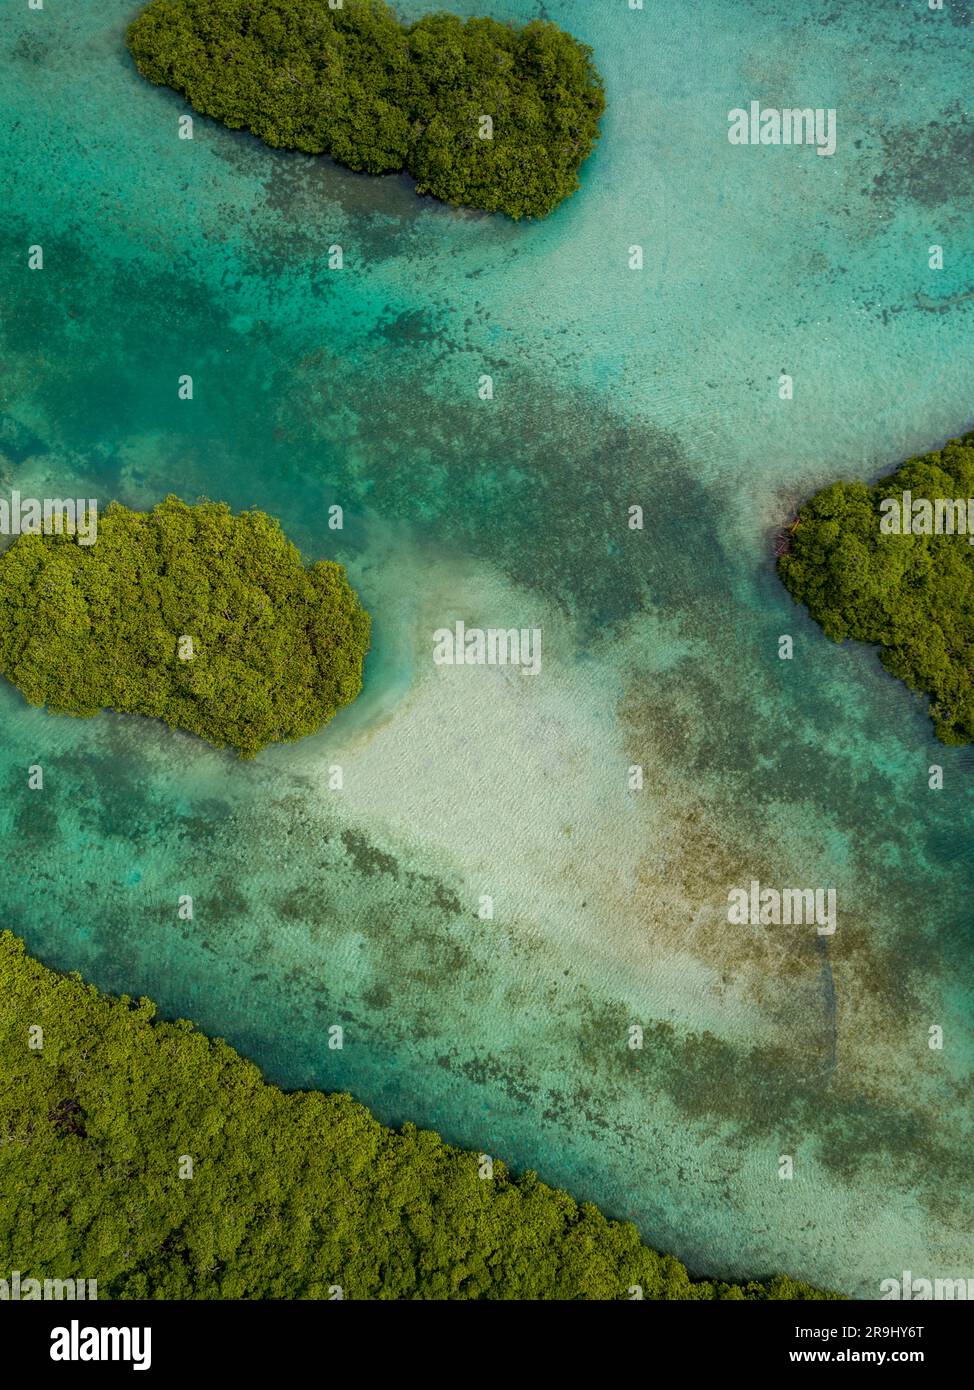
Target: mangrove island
894, 564
481, 114
301, 1195
188, 614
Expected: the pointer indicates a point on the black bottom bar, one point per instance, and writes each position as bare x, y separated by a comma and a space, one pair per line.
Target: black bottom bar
251, 1337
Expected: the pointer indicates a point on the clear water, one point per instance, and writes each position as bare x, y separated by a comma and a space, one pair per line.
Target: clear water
612, 387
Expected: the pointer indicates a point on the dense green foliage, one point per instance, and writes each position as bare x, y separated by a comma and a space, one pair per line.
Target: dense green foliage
913, 594
277, 648
379, 96
290, 1194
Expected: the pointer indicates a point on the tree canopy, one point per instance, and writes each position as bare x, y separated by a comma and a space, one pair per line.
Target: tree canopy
379, 96
289, 1195
912, 593
189, 614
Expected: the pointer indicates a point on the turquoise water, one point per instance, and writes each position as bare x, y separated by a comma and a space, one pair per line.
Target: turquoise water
612, 388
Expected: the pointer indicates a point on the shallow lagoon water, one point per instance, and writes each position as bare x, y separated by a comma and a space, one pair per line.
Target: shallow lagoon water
612, 387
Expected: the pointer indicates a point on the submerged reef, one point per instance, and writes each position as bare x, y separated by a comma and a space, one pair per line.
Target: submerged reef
894, 564
479, 113
189, 614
